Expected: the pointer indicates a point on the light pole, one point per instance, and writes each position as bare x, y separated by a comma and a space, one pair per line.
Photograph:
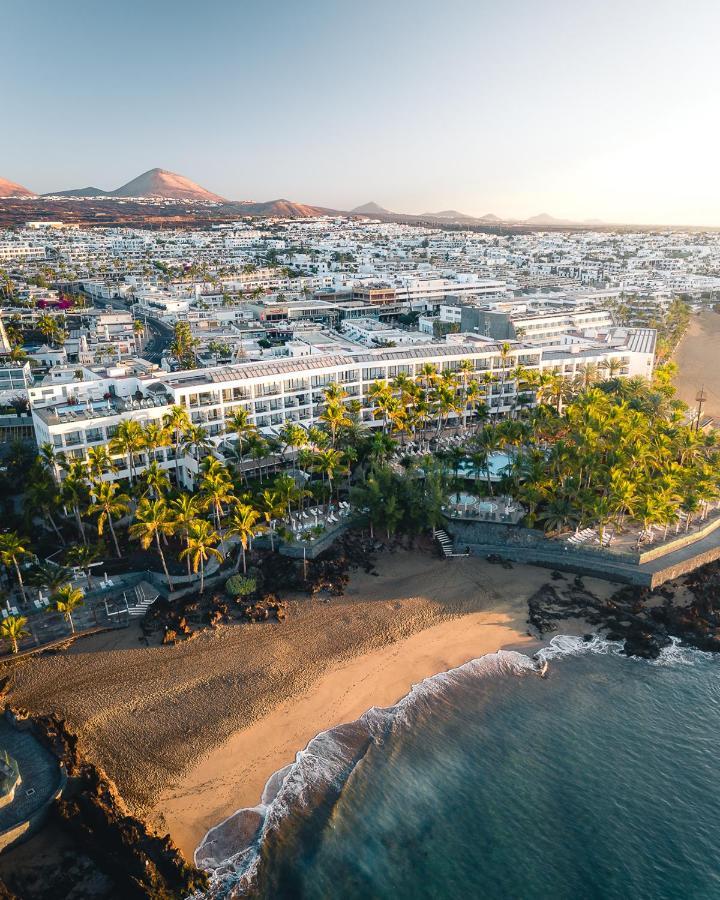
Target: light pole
700, 398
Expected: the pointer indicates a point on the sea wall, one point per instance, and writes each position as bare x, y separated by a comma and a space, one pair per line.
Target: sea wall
529, 545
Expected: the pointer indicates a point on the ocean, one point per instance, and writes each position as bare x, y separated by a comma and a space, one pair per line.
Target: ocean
596, 781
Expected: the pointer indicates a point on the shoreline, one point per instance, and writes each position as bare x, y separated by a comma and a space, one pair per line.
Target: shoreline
696, 356
204, 723
234, 774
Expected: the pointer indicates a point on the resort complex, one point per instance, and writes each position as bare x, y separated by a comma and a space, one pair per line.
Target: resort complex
177, 402
201, 426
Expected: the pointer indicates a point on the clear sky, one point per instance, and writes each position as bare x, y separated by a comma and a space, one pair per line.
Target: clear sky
577, 108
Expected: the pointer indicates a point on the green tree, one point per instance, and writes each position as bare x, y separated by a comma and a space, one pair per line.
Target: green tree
67, 599
243, 525
153, 520
13, 630
201, 545
109, 503
13, 548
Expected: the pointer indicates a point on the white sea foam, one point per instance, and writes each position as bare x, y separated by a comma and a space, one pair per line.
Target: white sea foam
230, 851
571, 645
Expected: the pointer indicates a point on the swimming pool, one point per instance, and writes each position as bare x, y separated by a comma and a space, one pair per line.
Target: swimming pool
497, 463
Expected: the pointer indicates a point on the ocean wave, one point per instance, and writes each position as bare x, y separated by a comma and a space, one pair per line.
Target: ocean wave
231, 852
676, 653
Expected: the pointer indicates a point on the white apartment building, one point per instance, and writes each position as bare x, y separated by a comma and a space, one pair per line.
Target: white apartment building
13, 251
75, 415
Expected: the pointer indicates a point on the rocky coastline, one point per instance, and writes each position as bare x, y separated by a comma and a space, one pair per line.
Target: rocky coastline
646, 620
118, 855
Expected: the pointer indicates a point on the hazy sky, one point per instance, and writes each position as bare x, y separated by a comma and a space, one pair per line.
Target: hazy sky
577, 108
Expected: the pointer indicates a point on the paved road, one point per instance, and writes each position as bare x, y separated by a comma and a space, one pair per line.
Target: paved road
161, 335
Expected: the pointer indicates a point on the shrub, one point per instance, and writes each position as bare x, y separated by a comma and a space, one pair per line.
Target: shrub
240, 585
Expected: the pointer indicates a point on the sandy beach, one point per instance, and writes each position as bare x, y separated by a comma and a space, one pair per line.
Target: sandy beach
191, 733
698, 360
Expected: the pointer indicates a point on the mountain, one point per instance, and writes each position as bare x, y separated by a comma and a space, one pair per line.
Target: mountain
282, 209
489, 217
166, 185
80, 192
10, 189
153, 183
371, 209
545, 219
447, 214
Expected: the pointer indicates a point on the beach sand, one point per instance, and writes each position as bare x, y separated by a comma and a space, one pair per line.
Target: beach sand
698, 359
191, 733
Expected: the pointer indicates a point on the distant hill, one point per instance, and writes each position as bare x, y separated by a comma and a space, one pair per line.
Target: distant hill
154, 183
545, 219
80, 192
10, 189
371, 209
164, 184
282, 209
447, 214
552, 221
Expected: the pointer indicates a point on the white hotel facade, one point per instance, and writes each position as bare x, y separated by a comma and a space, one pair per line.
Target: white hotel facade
73, 416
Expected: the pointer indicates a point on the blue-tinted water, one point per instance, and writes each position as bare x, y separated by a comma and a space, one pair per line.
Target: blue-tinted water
498, 463
599, 781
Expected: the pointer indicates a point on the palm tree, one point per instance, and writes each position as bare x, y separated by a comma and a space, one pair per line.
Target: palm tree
195, 440
239, 423
286, 487
99, 461
201, 545
185, 509
82, 557
12, 629
243, 524
259, 449
66, 600
155, 480
177, 421
382, 399
271, 507
46, 325
42, 496
46, 575
216, 488
155, 437
74, 493
12, 549
293, 436
153, 518
329, 463
128, 440
49, 458
335, 416
107, 504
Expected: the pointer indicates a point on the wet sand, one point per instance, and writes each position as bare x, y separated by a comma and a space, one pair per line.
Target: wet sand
191, 733
698, 360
